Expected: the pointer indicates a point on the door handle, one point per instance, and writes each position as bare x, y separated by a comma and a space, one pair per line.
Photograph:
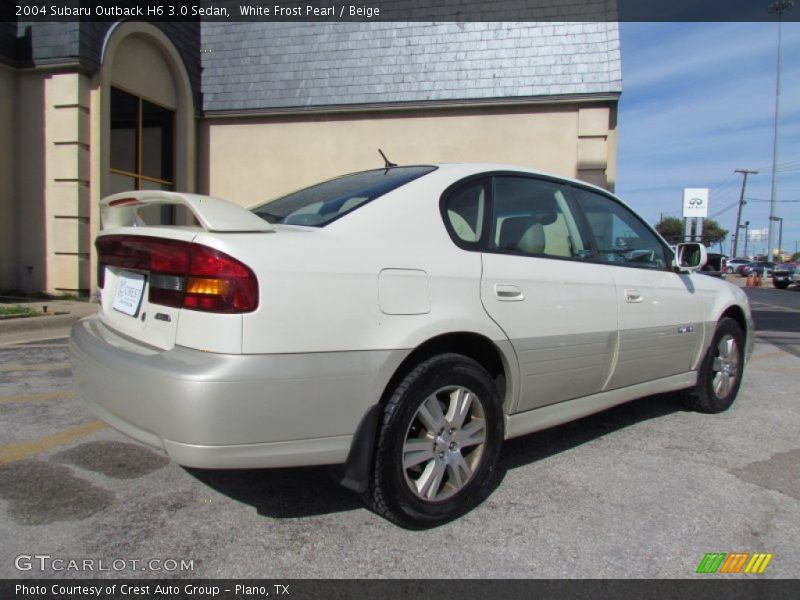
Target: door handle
633, 296
508, 292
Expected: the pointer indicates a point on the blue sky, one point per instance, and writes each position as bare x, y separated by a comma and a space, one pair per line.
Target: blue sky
698, 102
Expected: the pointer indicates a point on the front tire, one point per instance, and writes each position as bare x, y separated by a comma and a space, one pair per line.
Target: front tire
781, 285
720, 374
438, 443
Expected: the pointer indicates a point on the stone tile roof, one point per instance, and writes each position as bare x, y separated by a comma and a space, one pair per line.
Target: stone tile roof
268, 65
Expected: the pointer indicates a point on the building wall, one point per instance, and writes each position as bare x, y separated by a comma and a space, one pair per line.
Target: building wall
31, 272
251, 159
8, 172
48, 192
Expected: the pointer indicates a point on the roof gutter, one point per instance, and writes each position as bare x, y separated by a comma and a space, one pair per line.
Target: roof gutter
601, 97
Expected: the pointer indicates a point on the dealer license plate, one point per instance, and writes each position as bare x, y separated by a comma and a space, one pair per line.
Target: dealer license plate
130, 288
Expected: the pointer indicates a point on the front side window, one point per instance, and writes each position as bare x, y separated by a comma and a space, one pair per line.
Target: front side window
318, 205
532, 216
622, 238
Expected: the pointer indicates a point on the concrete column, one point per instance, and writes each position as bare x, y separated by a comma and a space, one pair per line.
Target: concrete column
595, 147
67, 183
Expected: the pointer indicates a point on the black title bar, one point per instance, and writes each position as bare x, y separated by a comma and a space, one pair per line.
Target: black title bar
398, 10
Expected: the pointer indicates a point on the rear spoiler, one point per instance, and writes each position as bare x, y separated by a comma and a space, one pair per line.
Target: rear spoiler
213, 214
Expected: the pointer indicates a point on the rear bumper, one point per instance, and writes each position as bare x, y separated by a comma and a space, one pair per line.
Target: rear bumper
212, 410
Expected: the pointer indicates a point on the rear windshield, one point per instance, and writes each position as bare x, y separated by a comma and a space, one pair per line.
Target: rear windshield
320, 204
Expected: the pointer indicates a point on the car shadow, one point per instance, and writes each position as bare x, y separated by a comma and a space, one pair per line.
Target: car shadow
312, 491
282, 493
541, 445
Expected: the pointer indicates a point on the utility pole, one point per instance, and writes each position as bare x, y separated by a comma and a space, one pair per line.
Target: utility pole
745, 227
780, 238
778, 7
744, 172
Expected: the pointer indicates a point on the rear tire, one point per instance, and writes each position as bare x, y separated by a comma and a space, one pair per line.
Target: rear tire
720, 372
438, 443
781, 285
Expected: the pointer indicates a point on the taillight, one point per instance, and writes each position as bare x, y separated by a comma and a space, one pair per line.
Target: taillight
182, 274
218, 282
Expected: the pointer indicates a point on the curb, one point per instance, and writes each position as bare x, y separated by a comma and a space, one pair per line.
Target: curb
45, 322
37, 323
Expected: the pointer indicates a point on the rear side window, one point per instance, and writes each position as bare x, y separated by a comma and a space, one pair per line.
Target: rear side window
318, 205
465, 208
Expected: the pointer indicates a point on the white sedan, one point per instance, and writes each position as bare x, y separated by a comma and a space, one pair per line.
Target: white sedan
400, 322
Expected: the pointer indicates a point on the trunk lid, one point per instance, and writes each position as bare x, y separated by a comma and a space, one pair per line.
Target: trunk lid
151, 276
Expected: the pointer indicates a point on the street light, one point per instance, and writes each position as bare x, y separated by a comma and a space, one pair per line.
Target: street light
780, 234
778, 7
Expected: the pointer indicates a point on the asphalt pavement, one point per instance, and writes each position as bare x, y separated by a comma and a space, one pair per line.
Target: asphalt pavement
643, 490
776, 316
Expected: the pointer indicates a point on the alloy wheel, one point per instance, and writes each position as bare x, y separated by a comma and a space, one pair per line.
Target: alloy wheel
444, 443
725, 366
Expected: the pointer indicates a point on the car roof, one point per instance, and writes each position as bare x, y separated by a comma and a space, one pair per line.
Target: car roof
466, 169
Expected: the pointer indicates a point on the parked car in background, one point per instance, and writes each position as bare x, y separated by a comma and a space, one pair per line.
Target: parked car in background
400, 322
734, 264
760, 267
716, 265
782, 275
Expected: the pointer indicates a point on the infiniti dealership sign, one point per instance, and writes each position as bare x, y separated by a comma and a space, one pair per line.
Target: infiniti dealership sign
695, 202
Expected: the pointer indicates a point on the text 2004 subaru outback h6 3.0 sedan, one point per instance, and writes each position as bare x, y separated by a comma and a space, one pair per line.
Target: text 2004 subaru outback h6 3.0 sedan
401, 322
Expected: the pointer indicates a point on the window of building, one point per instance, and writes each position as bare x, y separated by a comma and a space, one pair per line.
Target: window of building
142, 153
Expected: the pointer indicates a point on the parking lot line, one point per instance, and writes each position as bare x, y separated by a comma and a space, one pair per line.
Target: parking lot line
780, 369
28, 345
768, 355
37, 367
40, 397
18, 451
778, 307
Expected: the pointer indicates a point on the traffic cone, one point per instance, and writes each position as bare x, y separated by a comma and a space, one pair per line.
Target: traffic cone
757, 280
749, 282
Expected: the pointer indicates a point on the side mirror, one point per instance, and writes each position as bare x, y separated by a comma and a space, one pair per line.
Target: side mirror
690, 256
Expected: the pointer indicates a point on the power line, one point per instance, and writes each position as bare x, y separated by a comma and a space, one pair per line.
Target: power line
768, 200
723, 210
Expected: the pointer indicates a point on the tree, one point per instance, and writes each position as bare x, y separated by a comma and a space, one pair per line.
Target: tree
671, 229
713, 233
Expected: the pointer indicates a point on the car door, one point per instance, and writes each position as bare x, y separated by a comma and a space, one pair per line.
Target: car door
660, 312
558, 309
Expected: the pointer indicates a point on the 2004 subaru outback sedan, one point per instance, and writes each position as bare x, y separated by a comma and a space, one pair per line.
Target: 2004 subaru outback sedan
401, 322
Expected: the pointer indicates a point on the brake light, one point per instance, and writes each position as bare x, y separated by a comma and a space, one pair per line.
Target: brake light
182, 274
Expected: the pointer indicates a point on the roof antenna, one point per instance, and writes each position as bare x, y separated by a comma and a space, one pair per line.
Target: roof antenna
386, 162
